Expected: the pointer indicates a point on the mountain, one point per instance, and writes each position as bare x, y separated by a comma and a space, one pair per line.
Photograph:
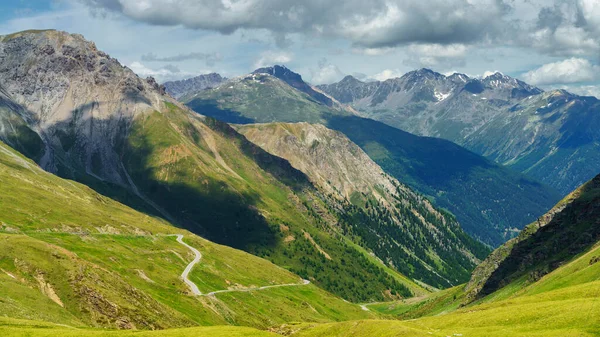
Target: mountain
428, 103
264, 97
295, 80
491, 203
72, 257
554, 138
550, 136
400, 227
102, 125
105, 127
569, 229
181, 88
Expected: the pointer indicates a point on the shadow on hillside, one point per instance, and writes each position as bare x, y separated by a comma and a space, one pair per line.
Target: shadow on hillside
278, 167
208, 207
571, 232
210, 108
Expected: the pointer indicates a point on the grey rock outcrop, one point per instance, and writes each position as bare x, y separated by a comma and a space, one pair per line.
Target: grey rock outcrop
78, 99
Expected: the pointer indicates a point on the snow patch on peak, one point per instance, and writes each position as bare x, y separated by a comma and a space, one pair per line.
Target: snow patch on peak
441, 96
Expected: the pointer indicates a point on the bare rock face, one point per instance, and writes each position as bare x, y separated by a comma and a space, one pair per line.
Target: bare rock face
77, 98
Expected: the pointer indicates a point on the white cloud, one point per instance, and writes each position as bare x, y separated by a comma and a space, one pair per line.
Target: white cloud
326, 73
387, 74
583, 90
373, 51
375, 23
572, 70
270, 57
166, 73
489, 73
435, 55
565, 28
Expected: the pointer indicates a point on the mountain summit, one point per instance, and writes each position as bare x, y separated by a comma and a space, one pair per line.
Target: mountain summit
295, 80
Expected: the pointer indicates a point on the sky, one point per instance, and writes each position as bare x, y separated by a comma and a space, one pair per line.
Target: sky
547, 43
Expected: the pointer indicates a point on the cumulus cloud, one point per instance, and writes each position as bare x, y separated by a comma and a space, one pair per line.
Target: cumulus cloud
566, 28
387, 74
372, 24
435, 55
326, 73
270, 57
583, 90
163, 74
572, 70
489, 73
209, 58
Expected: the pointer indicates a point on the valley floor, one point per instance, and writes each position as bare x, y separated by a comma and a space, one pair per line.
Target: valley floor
565, 302
566, 311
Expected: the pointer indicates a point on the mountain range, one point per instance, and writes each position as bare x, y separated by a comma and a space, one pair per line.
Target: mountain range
92, 120
468, 185
550, 136
264, 206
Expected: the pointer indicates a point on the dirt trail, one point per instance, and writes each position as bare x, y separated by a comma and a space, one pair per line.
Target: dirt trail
303, 283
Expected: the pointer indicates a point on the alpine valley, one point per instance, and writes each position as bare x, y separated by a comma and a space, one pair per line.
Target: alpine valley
262, 205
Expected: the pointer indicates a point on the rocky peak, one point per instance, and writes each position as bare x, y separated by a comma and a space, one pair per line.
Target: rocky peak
79, 99
422, 73
349, 79
459, 78
295, 80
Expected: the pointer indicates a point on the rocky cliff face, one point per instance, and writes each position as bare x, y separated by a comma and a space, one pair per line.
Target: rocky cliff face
77, 98
181, 88
328, 157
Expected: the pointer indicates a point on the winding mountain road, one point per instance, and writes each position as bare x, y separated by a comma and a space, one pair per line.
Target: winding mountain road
188, 268
212, 293
194, 287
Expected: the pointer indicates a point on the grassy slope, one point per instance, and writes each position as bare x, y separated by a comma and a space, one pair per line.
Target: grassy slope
218, 184
567, 297
15, 327
62, 241
565, 302
243, 101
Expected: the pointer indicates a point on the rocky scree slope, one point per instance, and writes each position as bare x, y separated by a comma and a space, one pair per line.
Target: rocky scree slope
78, 99
386, 217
